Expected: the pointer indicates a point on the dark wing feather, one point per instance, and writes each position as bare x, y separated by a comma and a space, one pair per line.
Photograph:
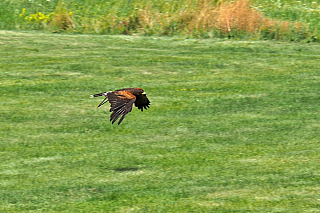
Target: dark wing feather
121, 104
142, 102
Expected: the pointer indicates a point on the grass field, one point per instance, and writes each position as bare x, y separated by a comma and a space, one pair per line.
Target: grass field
232, 127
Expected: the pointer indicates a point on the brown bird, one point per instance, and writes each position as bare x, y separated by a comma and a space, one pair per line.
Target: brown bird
122, 101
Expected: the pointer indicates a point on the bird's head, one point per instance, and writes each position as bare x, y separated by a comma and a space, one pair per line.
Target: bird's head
139, 91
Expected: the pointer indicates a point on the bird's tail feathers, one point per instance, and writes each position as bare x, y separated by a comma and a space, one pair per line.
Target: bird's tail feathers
99, 94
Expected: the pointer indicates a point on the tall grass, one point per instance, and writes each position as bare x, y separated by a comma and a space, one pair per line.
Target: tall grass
196, 18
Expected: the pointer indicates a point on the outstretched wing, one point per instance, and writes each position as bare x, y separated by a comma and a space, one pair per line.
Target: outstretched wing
121, 104
142, 102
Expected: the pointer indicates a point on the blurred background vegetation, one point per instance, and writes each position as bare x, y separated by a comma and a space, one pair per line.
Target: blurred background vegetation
240, 19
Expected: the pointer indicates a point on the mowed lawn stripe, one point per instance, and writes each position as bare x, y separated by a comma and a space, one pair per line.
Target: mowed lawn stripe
232, 125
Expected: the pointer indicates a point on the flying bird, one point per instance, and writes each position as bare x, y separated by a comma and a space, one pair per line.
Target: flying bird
122, 101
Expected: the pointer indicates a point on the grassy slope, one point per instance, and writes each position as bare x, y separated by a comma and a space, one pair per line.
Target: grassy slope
233, 126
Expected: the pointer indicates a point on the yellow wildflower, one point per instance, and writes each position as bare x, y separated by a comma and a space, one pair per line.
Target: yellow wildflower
23, 12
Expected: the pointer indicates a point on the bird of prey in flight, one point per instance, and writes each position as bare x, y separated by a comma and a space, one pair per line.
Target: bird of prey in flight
122, 101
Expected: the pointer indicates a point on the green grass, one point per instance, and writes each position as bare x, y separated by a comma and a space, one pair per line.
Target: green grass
305, 11
232, 127
165, 17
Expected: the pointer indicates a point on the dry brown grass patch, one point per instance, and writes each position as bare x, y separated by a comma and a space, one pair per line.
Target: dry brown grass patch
227, 18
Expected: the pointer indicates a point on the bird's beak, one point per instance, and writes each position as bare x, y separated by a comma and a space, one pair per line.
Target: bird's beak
144, 93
